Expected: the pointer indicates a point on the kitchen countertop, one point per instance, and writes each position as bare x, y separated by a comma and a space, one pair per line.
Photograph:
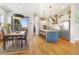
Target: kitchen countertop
49, 30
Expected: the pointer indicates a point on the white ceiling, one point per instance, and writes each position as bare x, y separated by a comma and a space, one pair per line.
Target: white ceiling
30, 8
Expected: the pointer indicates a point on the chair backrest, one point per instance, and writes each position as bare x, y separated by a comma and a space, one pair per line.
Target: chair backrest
2, 34
10, 30
4, 31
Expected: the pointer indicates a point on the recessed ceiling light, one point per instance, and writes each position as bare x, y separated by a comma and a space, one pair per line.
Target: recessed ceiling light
63, 7
50, 19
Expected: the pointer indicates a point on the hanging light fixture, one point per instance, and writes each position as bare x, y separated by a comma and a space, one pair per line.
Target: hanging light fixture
50, 12
51, 18
50, 6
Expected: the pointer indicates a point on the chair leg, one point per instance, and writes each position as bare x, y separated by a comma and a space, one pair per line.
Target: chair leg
25, 42
13, 42
4, 45
21, 43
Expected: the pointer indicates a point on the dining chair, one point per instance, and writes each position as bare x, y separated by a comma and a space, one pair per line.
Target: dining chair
23, 37
6, 38
9, 28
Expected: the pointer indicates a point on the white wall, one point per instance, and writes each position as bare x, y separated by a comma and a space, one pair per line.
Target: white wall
36, 23
2, 13
5, 17
74, 25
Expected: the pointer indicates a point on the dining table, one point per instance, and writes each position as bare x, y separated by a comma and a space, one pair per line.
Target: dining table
15, 35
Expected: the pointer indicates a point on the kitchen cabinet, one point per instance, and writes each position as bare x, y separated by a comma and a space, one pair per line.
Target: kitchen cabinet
64, 35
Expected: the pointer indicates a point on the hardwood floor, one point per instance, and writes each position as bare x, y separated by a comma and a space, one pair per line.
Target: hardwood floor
41, 47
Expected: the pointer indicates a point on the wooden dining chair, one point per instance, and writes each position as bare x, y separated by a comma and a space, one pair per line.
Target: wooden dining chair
6, 38
9, 28
23, 37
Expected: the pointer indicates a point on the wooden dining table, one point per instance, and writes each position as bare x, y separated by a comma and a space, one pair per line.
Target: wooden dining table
17, 33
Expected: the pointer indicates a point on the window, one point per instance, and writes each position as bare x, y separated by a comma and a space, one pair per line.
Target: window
1, 20
24, 22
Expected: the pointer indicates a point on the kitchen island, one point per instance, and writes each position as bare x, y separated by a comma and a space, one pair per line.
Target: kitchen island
50, 35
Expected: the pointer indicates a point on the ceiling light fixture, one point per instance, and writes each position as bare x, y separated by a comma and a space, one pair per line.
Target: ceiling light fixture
63, 7
50, 6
